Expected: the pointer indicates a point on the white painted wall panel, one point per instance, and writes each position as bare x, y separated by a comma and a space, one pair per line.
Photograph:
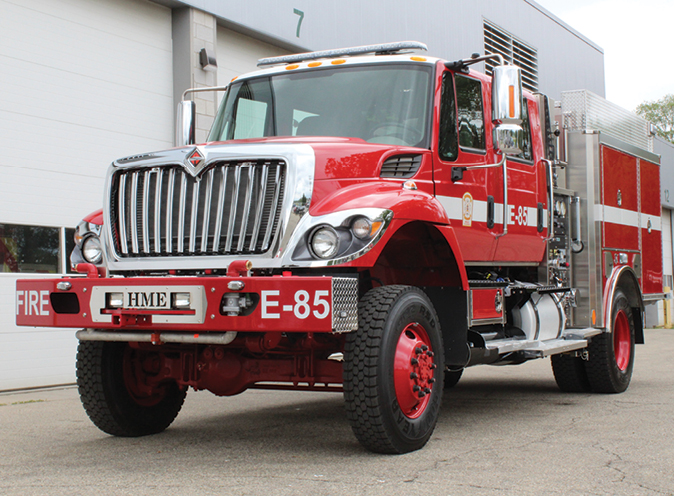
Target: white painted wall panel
32, 356
82, 83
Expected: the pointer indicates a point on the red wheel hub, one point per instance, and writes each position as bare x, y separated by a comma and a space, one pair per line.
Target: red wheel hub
621, 340
137, 369
414, 369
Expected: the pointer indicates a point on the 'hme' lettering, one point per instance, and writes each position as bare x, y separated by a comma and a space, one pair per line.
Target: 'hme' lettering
142, 299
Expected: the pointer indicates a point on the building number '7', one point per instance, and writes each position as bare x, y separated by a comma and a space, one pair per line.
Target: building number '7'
302, 16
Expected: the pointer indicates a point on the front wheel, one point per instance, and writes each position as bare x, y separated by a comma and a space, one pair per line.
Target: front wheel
393, 370
610, 355
112, 379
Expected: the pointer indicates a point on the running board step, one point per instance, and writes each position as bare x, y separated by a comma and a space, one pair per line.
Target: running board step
573, 339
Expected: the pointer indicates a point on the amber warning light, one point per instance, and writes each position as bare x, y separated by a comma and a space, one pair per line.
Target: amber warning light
512, 101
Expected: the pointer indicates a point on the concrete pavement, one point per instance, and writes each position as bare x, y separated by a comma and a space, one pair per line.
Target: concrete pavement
502, 430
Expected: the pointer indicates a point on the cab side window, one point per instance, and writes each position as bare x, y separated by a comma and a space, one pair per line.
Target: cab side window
447, 139
527, 135
470, 121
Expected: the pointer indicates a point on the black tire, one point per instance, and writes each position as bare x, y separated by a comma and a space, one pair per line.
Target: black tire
110, 403
570, 373
394, 318
452, 377
611, 355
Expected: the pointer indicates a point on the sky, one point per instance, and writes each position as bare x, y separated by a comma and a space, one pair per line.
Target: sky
637, 37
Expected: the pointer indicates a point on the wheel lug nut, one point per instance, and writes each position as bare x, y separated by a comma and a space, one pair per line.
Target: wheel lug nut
430, 353
427, 390
431, 381
414, 361
413, 375
418, 351
416, 388
421, 394
433, 366
424, 347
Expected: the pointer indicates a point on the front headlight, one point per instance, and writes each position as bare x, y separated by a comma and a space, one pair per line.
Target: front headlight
325, 242
341, 236
361, 227
91, 250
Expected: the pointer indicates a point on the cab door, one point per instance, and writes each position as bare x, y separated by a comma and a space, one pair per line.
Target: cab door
462, 142
523, 240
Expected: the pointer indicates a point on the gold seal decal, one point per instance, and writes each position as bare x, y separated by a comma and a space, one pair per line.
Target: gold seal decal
467, 209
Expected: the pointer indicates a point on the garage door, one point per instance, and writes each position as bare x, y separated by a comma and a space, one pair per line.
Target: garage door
83, 83
238, 54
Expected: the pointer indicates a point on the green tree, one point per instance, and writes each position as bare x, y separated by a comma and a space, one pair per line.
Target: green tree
659, 113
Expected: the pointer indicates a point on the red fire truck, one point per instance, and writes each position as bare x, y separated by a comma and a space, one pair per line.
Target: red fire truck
369, 221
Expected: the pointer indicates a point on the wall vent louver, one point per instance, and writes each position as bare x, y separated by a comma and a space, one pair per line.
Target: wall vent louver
514, 51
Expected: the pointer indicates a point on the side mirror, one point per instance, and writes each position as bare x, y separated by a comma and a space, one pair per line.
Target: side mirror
185, 123
507, 96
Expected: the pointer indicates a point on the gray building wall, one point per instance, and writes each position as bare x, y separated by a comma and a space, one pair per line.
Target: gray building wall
452, 29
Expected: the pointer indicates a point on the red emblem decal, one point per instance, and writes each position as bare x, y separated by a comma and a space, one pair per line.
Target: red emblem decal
196, 158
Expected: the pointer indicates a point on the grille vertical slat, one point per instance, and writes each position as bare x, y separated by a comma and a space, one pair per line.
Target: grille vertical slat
122, 214
259, 207
181, 214
193, 216
246, 212
133, 203
232, 209
158, 211
207, 211
145, 212
273, 211
221, 207
169, 212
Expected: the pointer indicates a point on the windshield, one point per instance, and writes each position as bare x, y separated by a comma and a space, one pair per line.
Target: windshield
386, 104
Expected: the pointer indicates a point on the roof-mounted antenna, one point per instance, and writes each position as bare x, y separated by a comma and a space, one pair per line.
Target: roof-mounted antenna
462, 65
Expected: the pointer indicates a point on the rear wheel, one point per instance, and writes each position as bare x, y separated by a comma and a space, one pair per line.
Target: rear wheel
452, 377
570, 373
112, 379
610, 355
392, 378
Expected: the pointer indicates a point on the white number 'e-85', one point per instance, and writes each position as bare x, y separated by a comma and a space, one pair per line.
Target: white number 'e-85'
301, 309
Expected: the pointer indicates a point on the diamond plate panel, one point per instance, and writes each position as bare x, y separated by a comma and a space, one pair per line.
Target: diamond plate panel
345, 304
583, 110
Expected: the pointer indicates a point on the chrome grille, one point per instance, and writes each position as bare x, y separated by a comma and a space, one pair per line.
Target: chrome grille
231, 208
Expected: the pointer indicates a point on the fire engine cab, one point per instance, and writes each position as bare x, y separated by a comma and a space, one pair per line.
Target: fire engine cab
369, 221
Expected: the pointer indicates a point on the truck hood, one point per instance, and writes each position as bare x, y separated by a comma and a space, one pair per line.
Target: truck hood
334, 158
338, 158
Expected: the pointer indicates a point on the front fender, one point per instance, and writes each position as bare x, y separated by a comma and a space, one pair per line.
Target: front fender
406, 205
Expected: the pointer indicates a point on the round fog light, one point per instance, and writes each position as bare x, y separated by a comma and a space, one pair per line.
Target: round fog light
92, 251
361, 228
325, 242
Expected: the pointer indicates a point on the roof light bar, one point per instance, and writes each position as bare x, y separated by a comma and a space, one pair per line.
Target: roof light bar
382, 49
